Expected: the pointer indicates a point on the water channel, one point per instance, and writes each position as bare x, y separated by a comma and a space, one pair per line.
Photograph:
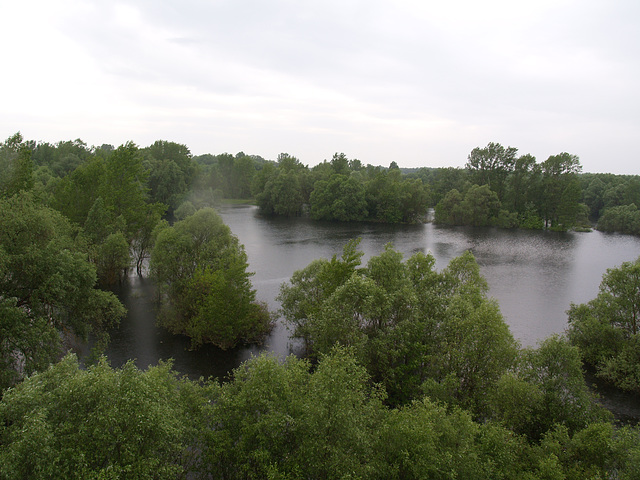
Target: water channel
534, 276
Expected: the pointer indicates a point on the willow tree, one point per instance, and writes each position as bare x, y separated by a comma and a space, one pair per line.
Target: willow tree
206, 294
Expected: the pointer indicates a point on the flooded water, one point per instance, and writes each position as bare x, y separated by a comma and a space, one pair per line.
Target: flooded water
534, 276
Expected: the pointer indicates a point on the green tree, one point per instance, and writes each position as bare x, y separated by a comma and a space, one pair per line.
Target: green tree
606, 329
560, 198
68, 422
184, 210
112, 259
546, 388
27, 343
63, 157
520, 184
286, 421
340, 198
282, 194
480, 206
76, 193
592, 196
201, 270
416, 330
302, 296
393, 199
46, 281
16, 166
491, 165
450, 210
623, 219
340, 164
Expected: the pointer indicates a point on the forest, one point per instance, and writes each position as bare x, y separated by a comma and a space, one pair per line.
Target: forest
408, 372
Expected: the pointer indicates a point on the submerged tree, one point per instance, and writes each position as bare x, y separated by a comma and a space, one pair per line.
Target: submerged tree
206, 294
416, 330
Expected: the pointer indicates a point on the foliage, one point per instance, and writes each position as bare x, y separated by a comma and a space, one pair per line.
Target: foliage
545, 388
622, 218
478, 207
491, 165
67, 422
46, 283
415, 329
112, 259
184, 210
110, 196
63, 157
282, 195
232, 175
561, 190
16, 166
201, 271
606, 329
340, 198
339, 190
276, 418
27, 343
171, 172
280, 420
449, 210
302, 298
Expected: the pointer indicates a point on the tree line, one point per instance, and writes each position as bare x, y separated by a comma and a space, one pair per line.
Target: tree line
498, 187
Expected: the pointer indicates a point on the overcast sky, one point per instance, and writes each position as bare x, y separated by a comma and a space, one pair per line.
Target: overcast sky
417, 82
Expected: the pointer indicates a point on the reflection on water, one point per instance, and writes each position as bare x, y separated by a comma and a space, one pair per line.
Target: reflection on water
533, 275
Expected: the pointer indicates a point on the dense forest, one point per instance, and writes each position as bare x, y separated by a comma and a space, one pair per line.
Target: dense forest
408, 372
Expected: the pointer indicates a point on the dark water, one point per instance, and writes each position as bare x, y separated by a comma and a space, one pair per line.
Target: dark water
533, 275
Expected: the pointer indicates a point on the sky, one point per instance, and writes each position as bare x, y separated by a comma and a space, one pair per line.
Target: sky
420, 83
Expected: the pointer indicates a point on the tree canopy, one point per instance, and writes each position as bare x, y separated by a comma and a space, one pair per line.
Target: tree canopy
47, 287
206, 294
607, 329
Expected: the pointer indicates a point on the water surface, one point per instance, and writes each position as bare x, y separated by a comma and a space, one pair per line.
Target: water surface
534, 276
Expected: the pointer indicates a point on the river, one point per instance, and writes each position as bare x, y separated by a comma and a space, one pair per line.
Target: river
534, 276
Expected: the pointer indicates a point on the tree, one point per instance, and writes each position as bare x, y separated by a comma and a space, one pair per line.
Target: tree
481, 206
206, 294
68, 422
394, 199
449, 210
302, 297
340, 164
282, 194
607, 328
63, 157
491, 165
558, 177
340, 198
27, 343
546, 388
623, 219
46, 284
414, 329
124, 191
283, 420
76, 193
521, 183
16, 166
112, 259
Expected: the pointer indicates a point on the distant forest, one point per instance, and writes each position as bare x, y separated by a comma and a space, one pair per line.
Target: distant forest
497, 187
